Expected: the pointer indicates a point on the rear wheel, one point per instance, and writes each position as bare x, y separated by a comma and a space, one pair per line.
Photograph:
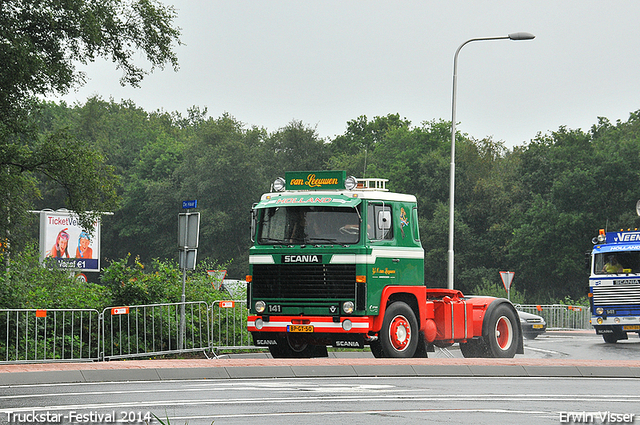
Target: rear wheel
504, 334
399, 333
473, 348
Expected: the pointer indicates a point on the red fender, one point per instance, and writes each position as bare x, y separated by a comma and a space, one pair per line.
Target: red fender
419, 292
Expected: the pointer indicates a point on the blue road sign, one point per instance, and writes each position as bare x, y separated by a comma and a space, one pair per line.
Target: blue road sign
189, 204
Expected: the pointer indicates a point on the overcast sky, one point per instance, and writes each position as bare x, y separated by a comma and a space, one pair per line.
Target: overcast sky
326, 62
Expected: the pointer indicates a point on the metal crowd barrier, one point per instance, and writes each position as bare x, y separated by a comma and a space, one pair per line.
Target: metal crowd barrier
39, 335
229, 330
151, 330
560, 316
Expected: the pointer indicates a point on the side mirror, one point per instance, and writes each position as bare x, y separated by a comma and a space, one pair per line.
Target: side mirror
587, 261
254, 222
384, 223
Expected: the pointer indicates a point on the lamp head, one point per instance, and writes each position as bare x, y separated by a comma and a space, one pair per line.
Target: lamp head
516, 36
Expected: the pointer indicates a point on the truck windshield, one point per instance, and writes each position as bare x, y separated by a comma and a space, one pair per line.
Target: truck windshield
309, 225
617, 263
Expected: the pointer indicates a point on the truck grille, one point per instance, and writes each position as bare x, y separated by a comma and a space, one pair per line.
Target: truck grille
616, 295
289, 281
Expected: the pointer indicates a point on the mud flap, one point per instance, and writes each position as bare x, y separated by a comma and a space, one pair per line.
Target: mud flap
347, 341
421, 350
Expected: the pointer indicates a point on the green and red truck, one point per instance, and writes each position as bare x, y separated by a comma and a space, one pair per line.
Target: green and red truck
338, 261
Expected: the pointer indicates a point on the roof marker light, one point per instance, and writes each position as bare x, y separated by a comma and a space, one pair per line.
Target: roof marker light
350, 183
279, 184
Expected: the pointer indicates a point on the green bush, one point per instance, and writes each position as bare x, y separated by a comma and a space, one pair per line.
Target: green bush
491, 289
27, 284
131, 283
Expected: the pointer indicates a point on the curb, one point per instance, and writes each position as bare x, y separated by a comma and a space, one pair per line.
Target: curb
249, 371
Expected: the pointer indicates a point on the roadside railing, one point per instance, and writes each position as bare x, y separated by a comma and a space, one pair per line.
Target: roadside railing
560, 316
229, 330
151, 330
37, 335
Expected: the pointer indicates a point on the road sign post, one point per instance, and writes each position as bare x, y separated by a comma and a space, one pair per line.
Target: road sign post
188, 239
507, 278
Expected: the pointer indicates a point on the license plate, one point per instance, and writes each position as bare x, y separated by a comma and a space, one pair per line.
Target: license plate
631, 328
538, 326
300, 328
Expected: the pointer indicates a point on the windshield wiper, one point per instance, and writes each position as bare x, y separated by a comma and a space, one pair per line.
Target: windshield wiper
329, 240
261, 240
316, 241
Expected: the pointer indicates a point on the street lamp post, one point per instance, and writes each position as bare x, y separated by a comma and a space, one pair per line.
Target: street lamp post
516, 37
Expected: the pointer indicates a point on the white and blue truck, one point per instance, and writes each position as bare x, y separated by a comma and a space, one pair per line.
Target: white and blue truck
614, 284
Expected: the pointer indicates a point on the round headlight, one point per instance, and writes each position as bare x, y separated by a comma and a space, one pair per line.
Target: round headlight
599, 310
350, 183
279, 184
347, 325
259, 324
260, 306
348, 307
599, 320
617, 320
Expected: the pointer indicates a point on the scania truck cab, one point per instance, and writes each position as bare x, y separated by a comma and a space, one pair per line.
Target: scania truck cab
337, 261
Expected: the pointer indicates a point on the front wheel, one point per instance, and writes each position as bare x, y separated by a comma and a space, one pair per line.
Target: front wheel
610, 338
289, 347
399, 333
504, 334
376, 349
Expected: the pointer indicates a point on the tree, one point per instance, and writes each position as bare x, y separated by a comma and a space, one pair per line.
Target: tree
574, 183
40, 44
223, 168
43, 40
294, 147
351, 150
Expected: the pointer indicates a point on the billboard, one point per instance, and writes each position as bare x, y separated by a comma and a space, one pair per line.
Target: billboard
67, 245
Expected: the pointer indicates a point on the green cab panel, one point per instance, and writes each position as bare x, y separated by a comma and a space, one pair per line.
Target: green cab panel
396, 256
315, 251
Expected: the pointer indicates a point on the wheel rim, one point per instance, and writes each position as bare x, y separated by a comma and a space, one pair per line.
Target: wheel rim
400, 333
504, 333
297, 345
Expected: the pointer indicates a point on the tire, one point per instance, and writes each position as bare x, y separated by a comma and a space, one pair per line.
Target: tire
504, 333
376, 349
289, 348
421, 349
399, 334
277, 351
473, 349
610, 338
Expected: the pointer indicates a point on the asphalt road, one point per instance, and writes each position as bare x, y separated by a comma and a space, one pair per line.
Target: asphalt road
560, 374
581, 346
373, 400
